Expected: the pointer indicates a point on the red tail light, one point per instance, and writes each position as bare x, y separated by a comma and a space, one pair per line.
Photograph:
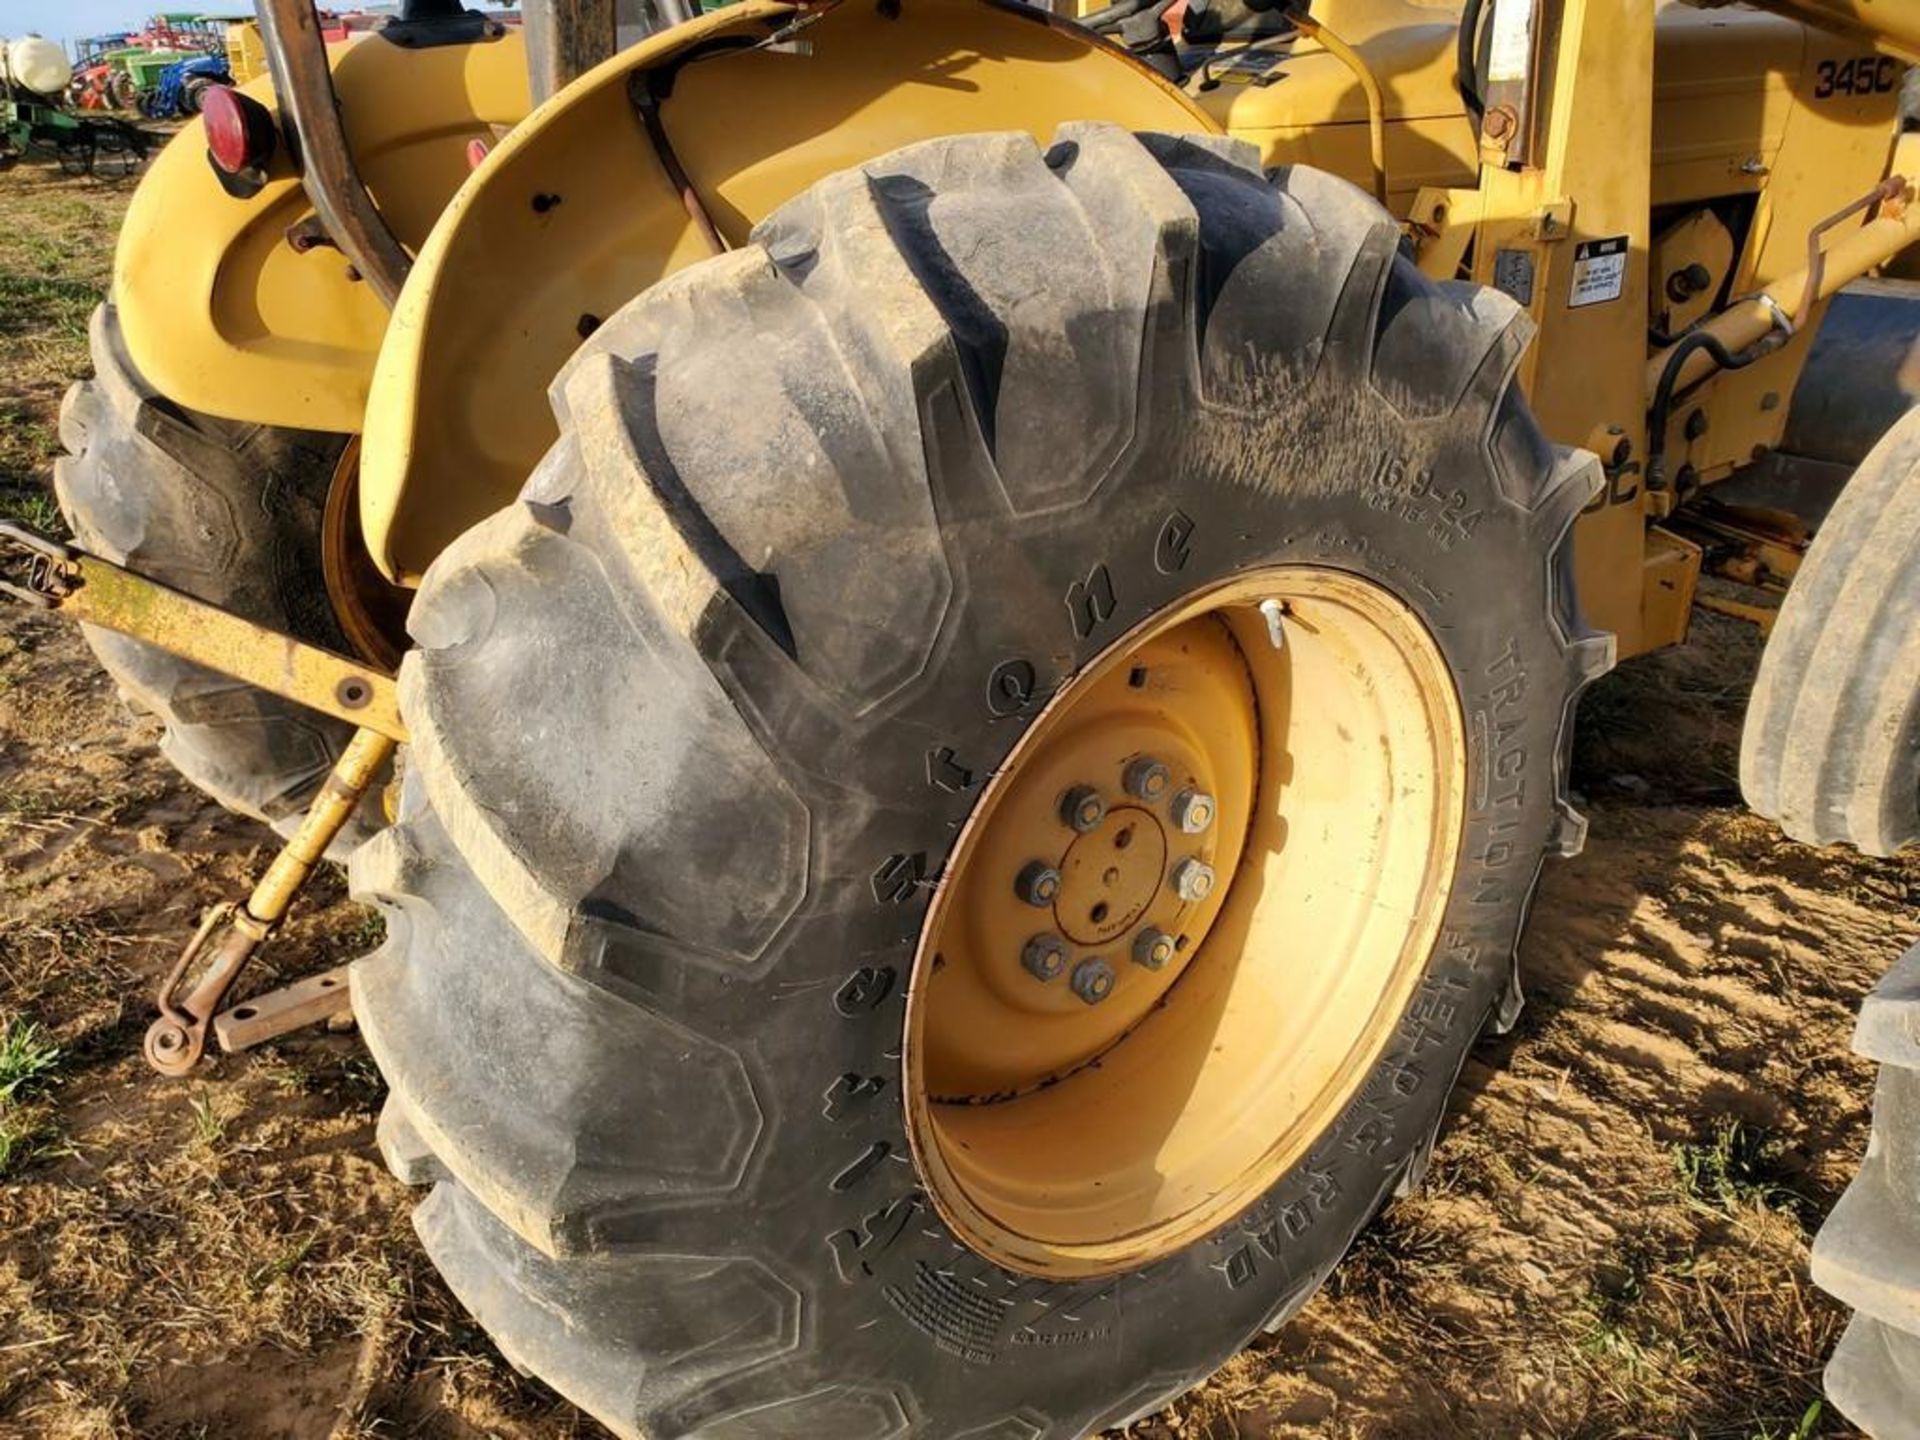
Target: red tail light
240, 132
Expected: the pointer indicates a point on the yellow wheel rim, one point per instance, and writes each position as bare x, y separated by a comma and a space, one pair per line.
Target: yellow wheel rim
1183, 921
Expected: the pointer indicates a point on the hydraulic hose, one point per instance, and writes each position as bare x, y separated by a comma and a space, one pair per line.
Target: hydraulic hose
1467, 58
1661, 415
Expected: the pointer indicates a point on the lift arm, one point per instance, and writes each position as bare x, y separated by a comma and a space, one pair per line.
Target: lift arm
51, 575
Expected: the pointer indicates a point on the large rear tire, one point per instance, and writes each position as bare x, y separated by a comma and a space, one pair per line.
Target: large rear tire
1831, 745
697, 722
231, 514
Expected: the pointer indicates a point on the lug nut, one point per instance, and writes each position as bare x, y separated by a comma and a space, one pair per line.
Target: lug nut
1192, 811
1082, 809
1147, 778
1192, 879
1093, 980
1045, 957
1037, 883
1152, 949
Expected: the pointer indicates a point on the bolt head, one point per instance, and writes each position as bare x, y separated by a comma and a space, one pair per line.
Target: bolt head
1082, 809
1045, 957
1193, 811
1152, 949
1038, 883
1193, 879
1092, 980
1147, 779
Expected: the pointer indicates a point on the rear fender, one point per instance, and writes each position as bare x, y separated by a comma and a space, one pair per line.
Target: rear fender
573, 215
223, 316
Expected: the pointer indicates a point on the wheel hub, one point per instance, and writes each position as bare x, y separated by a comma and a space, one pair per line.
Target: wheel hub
1110, 876
1180, 925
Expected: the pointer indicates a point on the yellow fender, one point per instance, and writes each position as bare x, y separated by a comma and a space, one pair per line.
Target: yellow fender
574, 214
222, 315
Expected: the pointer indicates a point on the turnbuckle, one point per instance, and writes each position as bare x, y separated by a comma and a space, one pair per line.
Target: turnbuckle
230, 933
46, 578
176, 1041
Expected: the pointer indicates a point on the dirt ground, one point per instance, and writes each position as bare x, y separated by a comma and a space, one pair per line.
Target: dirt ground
1612, 1240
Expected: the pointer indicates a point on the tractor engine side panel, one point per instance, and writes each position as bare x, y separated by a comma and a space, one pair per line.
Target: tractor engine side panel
1781, 126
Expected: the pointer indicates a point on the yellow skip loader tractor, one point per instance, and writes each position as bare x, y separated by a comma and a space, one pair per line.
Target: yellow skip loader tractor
948, 633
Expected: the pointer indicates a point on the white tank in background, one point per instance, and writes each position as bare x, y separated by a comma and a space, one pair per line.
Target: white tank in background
37, 64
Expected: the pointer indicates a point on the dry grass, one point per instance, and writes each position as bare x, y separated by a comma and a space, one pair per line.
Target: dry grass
56, 255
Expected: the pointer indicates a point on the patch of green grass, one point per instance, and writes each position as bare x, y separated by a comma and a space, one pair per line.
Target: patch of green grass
27, 807
56, 260
1642, 1368
32, 507
28, 1133
45, 253
208, 1127
368, 933
46, 304
282, 1264
1808, 1426
28, 1057
1736, 1166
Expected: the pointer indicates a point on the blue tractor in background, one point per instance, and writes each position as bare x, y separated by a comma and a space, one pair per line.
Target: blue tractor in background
182, 84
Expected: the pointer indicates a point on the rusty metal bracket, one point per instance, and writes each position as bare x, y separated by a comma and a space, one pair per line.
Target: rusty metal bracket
54, 576
313, 1001
1759, 550
1763, 549
175, 1041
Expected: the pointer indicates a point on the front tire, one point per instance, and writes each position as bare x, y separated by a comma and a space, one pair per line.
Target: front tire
1831, 745
697, 721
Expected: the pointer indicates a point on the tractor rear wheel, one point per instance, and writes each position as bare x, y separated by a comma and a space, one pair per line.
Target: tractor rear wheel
229, 513
961, 829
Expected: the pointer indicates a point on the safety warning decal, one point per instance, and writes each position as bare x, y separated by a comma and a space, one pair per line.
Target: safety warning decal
1599, 271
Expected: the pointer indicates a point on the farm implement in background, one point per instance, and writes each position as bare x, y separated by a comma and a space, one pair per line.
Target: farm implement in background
35, 116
